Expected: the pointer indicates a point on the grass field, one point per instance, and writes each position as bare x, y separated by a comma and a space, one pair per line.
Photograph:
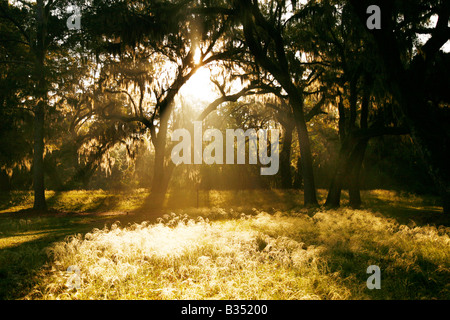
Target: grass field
222, 245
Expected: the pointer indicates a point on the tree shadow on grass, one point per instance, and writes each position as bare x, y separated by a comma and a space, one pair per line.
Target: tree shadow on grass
6, 200
411, 210
12, 198
21, 263
88, 204
190, 199
407, 273
25, 238
401, 278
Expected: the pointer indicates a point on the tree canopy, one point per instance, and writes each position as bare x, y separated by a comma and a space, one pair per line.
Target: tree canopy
83, 108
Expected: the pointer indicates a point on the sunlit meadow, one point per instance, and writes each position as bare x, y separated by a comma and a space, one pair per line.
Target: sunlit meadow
225, 254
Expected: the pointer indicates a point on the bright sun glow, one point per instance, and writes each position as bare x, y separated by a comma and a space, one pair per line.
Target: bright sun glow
200, 89
197, 56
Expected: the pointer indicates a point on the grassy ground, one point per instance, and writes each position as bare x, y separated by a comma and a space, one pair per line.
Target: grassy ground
222, 245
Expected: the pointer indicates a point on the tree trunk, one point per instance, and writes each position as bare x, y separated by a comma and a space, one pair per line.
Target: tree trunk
335, 189
160, 180
310, 198
285, 158
38, 159
354, 177
351, 155
39, 112
161, 171
337, 181
298, 178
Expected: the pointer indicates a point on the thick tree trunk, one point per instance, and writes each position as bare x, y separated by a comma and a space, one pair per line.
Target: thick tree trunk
39, 112
337, 181
285, 158
38, 159
160, 179
161, 171
298, 178
334, 192
354, 177
310, 198
348, 159
160, 183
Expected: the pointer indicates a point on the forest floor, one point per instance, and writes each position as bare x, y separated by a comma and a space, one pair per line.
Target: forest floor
255, 244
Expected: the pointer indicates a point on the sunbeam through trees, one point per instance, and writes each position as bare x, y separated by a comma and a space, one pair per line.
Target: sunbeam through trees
224, 150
